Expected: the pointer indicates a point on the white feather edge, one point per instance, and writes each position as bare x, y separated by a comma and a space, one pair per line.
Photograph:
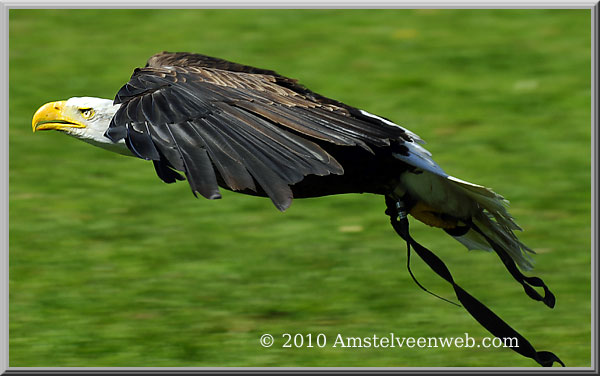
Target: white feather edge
413, 135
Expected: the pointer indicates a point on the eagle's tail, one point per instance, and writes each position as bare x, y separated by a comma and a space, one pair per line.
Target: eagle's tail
494, 220
450, 203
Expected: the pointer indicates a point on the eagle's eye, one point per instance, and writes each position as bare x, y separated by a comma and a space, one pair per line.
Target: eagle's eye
87, 113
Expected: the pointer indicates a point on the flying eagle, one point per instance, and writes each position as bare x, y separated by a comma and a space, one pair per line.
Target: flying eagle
221, 124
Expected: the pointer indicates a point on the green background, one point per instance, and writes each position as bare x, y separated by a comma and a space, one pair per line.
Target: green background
111, 267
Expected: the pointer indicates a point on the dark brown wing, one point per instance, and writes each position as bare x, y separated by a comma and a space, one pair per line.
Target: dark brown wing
244, 128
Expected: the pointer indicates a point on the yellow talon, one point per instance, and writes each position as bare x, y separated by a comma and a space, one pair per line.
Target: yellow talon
430, 217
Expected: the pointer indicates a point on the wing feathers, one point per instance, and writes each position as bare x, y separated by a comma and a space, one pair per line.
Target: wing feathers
140, 143
224, 157
301, 149
293, 121
197, 166
238, 128
276, 188
166, 173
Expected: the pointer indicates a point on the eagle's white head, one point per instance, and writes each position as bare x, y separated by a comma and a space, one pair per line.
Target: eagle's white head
85, 118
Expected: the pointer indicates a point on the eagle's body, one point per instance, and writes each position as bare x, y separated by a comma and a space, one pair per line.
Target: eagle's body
254, 131
251, 130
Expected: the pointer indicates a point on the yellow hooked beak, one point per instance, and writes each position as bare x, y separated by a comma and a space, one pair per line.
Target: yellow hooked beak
53, 116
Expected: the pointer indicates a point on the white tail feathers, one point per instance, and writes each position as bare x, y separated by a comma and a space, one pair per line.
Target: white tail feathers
466, 201
494, 220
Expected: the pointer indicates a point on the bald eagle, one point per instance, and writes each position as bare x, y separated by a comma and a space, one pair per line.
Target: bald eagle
221, 124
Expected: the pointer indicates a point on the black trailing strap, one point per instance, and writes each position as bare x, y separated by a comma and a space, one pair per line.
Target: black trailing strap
478, 310
402, 213
548, 298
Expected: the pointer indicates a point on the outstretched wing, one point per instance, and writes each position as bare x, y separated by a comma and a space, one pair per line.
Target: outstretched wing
245, 128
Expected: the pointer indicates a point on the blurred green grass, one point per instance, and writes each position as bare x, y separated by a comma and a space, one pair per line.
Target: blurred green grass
111, 267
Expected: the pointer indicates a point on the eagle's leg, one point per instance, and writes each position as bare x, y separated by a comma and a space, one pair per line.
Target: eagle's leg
398, 211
